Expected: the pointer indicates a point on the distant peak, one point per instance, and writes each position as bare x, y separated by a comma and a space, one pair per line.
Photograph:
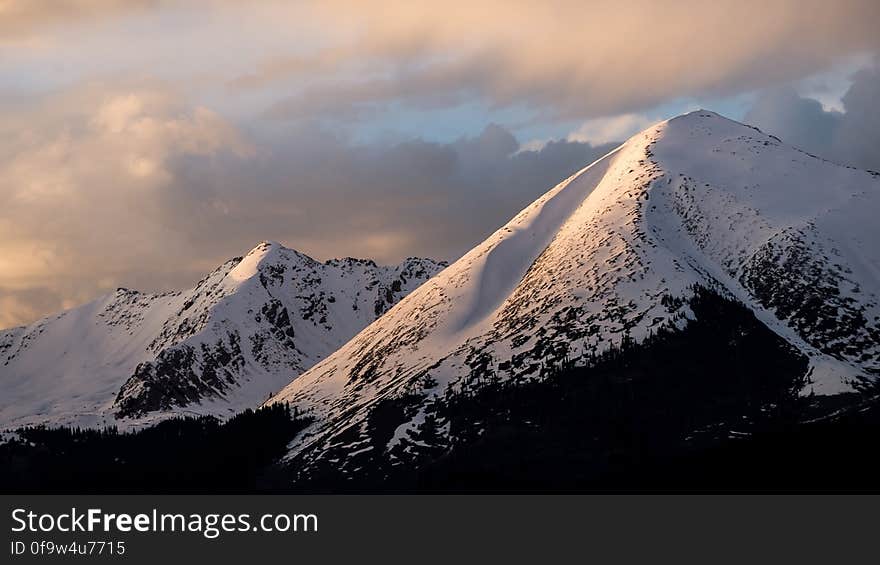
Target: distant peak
265, 246
269, 249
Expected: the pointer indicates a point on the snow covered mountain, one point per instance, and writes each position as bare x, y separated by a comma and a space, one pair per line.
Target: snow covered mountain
238, 336
615, 254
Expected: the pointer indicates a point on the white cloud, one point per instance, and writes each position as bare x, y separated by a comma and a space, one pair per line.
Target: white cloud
84, 189
533, 145
613, 128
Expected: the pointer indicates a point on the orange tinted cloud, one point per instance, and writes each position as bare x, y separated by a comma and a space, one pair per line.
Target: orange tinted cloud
23, 17
562, 58
573, 58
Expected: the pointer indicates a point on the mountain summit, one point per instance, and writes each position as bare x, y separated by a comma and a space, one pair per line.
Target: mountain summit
239, 335
695, 210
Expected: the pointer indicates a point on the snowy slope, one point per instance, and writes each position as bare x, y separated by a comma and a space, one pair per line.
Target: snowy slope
239, 335
616, 250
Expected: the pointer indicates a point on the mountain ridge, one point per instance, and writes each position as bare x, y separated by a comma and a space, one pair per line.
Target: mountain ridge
242, 332
695, 201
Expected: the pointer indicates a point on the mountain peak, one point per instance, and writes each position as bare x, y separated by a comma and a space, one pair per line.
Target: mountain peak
242, 332
702, 116
266, 245
693, 125
613, 254
268, 249
700, 113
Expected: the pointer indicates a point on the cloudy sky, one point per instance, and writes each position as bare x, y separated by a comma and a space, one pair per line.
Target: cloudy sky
143, 142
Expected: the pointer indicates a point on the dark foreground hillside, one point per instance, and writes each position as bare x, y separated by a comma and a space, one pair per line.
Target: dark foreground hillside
714, 406
181, 455
711, 407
